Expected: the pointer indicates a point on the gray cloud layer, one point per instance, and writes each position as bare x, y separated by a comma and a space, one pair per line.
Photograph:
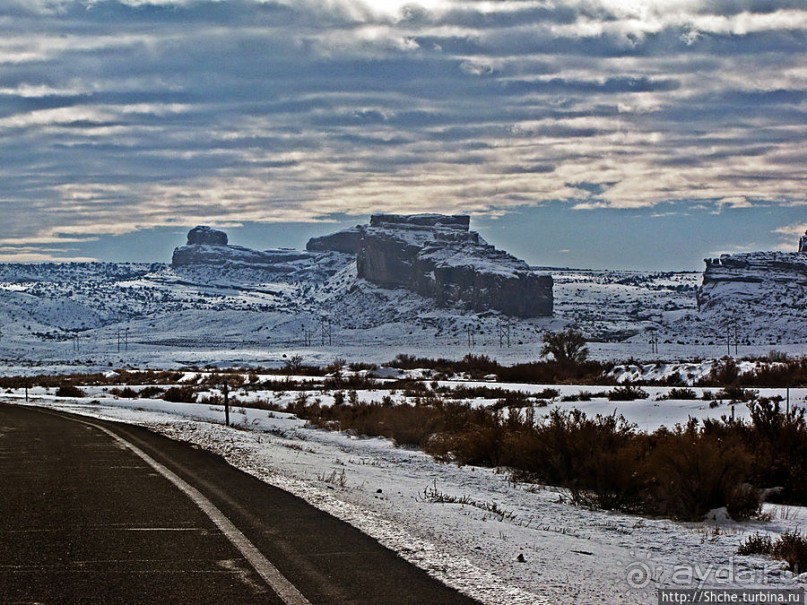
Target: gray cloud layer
125, 114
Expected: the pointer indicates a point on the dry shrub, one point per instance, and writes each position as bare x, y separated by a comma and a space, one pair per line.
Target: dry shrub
603, 461
477, 446
736, 394
406, 425
69, 390
681, 393
758, 544
627, 393
150, 392
694, 472
184, 394
778, 441
790, 547
411, 425
125, 393
596, 458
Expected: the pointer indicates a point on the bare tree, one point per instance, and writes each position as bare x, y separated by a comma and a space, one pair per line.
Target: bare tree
293, 364
567, 347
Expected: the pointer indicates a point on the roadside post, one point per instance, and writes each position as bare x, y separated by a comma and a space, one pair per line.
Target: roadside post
788, 402
226, 391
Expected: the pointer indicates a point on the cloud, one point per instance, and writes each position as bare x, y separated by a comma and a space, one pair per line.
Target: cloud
734, 202
790, 235
124, 114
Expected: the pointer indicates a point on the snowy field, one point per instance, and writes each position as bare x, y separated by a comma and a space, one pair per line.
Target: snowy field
499, 541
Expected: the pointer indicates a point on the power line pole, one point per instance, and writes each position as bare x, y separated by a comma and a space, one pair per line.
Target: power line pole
325, 330
736, 336
504, 332
654, 343
727, 326
308, 336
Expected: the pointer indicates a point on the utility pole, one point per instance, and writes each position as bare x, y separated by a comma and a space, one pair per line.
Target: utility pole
471, 339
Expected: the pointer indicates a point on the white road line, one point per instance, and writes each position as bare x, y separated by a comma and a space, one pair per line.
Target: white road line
270, 574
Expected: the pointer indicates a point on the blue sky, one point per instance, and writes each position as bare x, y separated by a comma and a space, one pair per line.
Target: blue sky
604, 133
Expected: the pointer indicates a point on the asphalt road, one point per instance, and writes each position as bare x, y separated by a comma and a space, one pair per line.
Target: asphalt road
110, 513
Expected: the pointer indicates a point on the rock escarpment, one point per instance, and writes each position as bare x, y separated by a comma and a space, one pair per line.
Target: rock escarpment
438, 257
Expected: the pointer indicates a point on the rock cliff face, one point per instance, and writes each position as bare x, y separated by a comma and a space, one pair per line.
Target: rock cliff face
438, 257
803, 243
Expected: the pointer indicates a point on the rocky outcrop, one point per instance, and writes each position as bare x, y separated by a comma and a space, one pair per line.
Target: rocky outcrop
743, 275
757, 294
438, 257
346, 242
756, 268
206, 236
459, 222
208, 246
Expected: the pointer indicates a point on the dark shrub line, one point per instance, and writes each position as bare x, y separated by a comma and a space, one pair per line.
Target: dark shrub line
769, 373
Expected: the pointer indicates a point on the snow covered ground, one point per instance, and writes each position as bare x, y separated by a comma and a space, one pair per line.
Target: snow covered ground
496, 540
